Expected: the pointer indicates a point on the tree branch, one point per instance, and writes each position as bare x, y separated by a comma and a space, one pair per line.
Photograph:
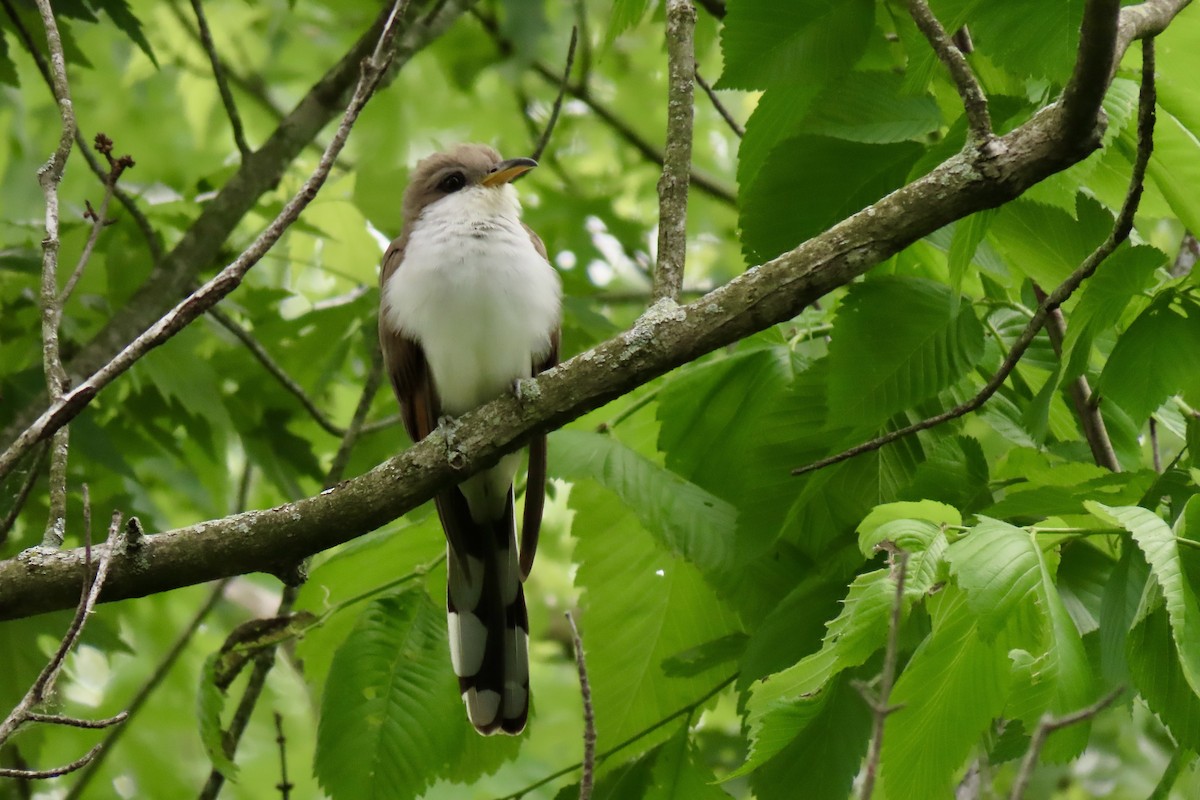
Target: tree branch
558, 99
761, 297
1048, 725
1090, 418
733, 124
70, 404
880, 710
49, 176
979, 121
589, 717
206, 41
1122, 226
202, 243
677, 157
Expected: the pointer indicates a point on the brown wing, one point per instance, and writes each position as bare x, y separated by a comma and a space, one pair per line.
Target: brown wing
535, 486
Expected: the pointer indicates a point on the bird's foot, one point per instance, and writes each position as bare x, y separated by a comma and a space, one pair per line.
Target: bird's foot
526, 389
449, 429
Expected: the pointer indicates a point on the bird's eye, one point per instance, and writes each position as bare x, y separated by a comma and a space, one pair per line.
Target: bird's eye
452, 182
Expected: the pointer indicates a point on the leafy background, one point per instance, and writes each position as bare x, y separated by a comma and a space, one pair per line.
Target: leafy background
727, 608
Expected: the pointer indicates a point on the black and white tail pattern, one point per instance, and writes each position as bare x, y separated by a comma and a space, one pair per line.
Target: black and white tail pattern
489, 626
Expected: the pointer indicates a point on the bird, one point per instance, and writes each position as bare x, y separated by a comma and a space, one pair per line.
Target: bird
469, 306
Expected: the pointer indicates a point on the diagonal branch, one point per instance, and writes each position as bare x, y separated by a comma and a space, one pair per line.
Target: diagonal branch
974, 102
206, 41
66, 407
771, 293
1119, 233
203, 242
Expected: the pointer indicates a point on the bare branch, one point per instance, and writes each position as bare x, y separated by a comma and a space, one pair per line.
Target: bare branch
202, 243
558, 100
1119, 233
351, 436
733, 124
979, 121
49, 176
1090, 419
1048, 725
74, 722
206, 41
37, 694
677, 157
22, 496
66, 407
879, 703
589, 716
1094, 65
284, 786
45, 774
156, 678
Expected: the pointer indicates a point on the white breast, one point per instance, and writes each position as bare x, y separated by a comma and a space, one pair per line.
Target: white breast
476, 295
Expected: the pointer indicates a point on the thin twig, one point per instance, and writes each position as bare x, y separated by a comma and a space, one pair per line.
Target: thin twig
880, 710
284, 786
558, 100
70, 404
337, 469
206, 41
589, 716
75, 722
1119, 233
1047, 725
46, 774
974, 101
263, 662
1090, 418
40, 690
738, 129
22, 496
677, 156
139, 700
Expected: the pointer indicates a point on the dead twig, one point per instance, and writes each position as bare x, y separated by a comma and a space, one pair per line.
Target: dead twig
1047, 725
206, 41
589, 717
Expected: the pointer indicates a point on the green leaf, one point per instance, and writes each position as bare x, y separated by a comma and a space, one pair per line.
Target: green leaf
1154, 667
629, 779
685, 518
953, 687
776, 117
1119, 279
1047, 244
968, 234
897, 341
765, 42
782, 705
704, 657
1173, 167
998, 568
8, 70
624, 15
209, 707
121, 15
928, 511
1157, 356
835, 738
870, 107
1026, 37
1157, 543
678, 776
391, 710
808, 183
641, 607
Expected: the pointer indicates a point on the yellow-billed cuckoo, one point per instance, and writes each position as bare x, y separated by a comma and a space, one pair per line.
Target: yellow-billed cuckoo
469, 305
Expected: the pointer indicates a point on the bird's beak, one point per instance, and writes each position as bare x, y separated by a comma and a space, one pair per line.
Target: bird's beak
507, 171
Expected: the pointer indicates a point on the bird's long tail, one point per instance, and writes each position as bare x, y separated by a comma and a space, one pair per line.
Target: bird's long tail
487, 619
